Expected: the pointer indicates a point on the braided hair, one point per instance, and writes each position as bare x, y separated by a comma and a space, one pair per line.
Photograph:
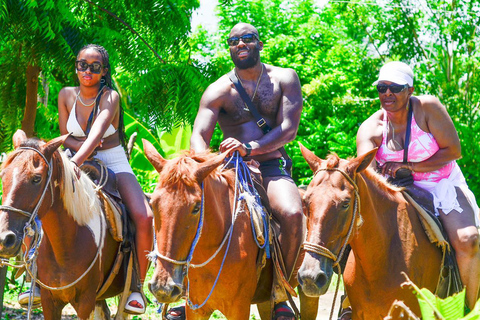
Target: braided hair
107, 81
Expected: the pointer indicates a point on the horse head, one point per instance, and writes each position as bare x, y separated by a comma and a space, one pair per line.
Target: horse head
177, 207
331, 204
25, 181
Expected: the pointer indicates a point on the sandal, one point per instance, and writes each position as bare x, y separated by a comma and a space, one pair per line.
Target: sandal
24, 297
282, 309
346, 314
180, 313
135, 304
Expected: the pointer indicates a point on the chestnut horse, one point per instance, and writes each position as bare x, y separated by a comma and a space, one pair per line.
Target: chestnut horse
204, 243
350, 204
75, 252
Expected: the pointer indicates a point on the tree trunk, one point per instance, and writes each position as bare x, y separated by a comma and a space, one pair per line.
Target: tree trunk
28, 123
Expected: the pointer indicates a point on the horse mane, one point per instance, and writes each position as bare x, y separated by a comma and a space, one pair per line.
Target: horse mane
79, 195
333, 161
178, 173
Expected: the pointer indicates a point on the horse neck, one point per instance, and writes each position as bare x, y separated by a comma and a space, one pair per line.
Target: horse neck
379, 214
218, 202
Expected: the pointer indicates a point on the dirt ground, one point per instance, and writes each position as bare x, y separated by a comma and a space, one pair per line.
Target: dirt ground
13, 311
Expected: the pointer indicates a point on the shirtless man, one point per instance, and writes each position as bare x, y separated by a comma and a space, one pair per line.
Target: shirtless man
277, 95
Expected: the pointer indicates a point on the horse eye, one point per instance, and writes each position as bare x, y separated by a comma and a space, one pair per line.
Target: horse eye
346, 204
196, 208
36, 179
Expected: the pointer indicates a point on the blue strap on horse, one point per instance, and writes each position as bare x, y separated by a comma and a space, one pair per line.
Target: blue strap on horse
245, 179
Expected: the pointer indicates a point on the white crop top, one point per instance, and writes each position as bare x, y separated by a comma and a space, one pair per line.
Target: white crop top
76, 130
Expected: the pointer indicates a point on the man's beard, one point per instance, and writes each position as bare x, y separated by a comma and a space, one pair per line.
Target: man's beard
246, 63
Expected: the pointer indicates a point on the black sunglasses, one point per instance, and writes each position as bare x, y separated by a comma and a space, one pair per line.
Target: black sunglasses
247, 38
394, 88
82, 66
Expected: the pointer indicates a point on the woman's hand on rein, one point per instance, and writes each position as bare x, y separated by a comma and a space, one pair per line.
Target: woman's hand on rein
391, 168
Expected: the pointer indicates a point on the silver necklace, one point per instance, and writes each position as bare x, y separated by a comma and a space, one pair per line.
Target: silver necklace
90, 104
256, 87
396, 144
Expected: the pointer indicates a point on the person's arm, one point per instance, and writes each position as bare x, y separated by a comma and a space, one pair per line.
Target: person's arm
109, 105
368, 134
441, 127
288, 117
207, 116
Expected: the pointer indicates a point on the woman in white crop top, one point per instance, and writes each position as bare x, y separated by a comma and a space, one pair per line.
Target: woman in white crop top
75, 104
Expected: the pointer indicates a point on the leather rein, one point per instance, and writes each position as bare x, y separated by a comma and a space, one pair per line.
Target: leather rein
324, 251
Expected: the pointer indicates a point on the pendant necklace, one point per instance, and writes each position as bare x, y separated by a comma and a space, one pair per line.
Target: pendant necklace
256, 87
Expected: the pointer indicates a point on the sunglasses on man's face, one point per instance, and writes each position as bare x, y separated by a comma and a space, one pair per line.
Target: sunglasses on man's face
394, 88
82, 66
247, 38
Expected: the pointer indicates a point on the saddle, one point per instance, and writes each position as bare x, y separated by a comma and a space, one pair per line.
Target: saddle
449, 281
281, 289
115, 212
118, 226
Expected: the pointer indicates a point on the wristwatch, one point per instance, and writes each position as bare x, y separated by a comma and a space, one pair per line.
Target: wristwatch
247, 147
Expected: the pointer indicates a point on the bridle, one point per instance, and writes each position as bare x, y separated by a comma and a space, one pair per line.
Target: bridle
30, 256
324, 251
187, 262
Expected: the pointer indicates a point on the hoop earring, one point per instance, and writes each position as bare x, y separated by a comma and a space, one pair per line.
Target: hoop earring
102, 81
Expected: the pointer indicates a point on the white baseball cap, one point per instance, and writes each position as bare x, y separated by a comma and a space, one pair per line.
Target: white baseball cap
396, 72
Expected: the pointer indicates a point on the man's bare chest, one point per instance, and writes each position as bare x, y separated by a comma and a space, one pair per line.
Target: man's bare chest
267, 101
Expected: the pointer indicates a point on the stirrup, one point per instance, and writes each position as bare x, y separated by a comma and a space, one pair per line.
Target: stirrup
24, 297
135, 296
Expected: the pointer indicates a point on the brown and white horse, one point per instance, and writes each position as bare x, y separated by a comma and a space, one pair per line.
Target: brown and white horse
347, 203
75, 252
204, 241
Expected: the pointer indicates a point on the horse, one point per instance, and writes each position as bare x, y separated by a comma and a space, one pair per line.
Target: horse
348, 203
75, 252
204, 243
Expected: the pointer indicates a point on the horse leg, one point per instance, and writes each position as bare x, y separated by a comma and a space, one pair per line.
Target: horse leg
101, 311
308, 305
52, 310
264, 310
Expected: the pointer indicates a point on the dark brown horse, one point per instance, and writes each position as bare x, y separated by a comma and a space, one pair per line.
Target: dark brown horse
195, 200
350, 204
76, 252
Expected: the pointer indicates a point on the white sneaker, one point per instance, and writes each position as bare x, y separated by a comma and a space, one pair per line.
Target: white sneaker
25, 296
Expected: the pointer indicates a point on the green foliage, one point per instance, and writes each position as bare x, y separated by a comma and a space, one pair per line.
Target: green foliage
149, 53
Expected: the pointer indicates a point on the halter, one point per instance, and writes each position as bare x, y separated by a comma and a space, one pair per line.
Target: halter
30, 256
187, 263
323, 251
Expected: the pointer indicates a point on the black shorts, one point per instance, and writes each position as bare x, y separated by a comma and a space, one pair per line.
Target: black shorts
276, 167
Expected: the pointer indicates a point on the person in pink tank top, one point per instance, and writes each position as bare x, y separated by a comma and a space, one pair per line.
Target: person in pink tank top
433, 150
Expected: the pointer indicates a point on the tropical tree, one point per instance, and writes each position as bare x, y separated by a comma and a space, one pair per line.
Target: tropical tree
337, 50
148, 46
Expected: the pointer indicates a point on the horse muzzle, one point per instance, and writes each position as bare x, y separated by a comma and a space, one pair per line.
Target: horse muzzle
165, 288
10, 244
315, 274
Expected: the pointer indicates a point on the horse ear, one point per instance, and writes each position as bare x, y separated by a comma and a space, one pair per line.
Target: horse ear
51, 146
313, 161
18, 138
153, 156
205, 168
362, 162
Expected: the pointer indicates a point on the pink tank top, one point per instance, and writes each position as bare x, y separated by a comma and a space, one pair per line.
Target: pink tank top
422, 146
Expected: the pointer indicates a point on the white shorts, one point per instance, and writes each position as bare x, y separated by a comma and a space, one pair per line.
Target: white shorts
445, 194
115, 159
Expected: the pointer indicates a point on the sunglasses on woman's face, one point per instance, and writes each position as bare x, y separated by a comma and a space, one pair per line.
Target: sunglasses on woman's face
82, 66
394, 88
247, 38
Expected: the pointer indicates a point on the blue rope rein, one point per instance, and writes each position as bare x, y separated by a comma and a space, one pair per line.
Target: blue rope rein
246, 181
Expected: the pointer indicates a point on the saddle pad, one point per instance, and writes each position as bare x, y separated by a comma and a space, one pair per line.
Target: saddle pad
430, 226
113, 215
